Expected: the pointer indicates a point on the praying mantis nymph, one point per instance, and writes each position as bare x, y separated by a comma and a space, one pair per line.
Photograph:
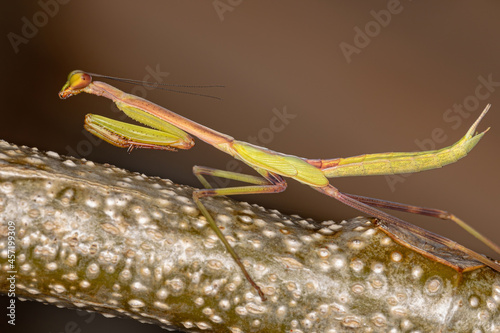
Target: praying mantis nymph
169, 131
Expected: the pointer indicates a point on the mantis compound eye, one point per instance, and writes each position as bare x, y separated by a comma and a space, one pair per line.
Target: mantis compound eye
77, 80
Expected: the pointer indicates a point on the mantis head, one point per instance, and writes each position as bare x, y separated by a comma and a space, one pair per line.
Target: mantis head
77, 81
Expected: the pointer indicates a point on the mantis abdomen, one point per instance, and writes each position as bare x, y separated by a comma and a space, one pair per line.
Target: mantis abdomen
395, 163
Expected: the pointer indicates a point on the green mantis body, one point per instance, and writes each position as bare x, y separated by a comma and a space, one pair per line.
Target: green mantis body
169, 131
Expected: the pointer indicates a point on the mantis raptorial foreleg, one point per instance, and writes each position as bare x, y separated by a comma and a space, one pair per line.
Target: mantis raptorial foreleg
130, 136
170, 132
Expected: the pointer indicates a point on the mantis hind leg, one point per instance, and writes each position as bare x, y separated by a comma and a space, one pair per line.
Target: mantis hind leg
437, 213
272, 183
408, 234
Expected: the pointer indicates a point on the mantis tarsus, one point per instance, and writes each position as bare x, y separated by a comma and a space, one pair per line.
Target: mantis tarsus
169, 129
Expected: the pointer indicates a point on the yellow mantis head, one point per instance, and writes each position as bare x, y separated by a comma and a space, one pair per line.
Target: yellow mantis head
77, 81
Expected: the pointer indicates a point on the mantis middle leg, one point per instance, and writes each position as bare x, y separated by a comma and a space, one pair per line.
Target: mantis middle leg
270, 183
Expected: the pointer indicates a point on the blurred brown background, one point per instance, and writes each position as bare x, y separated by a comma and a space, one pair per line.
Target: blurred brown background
350, 92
